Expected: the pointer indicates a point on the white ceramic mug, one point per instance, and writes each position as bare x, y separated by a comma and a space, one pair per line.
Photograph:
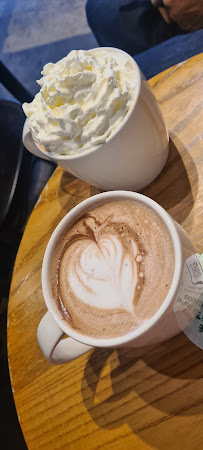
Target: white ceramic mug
161, 326
133, 157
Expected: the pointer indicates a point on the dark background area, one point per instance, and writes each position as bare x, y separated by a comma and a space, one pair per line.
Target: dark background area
32, 33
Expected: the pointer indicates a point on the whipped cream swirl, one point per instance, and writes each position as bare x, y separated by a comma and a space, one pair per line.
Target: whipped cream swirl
82, 101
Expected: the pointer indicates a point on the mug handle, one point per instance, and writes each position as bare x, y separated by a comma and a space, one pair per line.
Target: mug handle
29, 143
58, 351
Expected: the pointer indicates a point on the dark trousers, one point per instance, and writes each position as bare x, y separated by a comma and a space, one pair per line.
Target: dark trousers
139, 29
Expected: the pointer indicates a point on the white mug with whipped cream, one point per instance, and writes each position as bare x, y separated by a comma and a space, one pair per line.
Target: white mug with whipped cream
96, 116
109, 274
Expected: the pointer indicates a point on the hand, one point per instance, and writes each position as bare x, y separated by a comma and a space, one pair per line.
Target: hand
187, 14
162, 9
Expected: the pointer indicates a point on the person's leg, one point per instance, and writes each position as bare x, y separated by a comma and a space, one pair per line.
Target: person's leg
170, 52
133, 26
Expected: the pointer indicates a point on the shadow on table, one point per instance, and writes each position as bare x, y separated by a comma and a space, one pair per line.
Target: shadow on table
72, 191
172, 188
145, 387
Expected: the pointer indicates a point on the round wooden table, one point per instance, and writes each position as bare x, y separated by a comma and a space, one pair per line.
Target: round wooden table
108, 399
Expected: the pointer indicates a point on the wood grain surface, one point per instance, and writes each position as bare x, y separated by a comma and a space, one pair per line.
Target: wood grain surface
147, 398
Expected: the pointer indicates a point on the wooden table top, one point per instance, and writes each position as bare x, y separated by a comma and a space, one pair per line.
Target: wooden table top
114, 399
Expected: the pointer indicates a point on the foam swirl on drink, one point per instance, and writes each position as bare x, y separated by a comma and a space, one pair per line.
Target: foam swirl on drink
112, 269
100, 270
82, 101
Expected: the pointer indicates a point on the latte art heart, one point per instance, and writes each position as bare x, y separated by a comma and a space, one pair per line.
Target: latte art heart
112, 269
103, 274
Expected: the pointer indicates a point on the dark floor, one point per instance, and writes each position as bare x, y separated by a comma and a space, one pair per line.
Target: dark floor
32, 33
10, 432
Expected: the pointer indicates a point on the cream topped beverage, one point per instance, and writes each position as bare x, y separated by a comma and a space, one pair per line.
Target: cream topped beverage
82, 101
112, 269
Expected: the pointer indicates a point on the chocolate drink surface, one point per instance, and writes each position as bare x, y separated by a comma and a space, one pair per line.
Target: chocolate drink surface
112, 269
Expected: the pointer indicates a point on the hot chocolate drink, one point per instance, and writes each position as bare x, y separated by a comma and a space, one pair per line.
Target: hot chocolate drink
112, 269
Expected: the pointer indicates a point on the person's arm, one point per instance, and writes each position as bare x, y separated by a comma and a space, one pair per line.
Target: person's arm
187, 14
